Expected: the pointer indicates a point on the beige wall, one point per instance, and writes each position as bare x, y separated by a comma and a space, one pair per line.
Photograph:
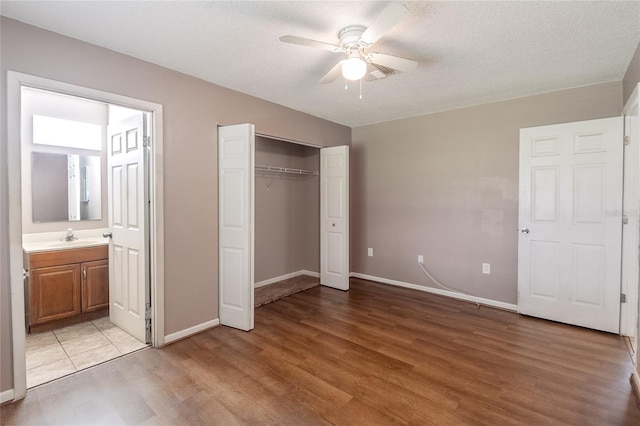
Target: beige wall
446, 186
192, 110
287, 212
632, 76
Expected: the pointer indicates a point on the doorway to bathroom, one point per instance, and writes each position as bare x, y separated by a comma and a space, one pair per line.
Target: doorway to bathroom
82, 181
87, 223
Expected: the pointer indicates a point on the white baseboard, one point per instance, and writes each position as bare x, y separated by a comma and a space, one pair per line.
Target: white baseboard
7, 396
286, 277
635, 384
446, 293
178, 335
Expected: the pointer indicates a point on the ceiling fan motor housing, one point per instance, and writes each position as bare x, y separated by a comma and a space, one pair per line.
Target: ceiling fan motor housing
350, 38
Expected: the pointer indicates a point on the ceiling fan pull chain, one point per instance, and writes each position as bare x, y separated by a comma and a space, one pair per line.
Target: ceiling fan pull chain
346, 84
360, 88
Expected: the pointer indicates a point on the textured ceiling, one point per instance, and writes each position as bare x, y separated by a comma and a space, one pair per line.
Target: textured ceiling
469, 52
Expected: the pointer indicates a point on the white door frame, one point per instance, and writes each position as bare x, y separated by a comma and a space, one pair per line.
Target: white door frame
15, 81
631, 208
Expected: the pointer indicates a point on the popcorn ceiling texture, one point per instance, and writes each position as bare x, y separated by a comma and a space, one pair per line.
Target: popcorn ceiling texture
469, 52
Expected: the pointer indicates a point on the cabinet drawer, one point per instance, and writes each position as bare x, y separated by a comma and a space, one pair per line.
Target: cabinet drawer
43, 259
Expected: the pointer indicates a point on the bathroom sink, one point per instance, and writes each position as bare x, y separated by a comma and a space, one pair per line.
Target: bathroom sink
75, 243
61, 245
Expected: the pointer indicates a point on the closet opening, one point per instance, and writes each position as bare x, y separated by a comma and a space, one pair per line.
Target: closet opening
287, 219
283, 215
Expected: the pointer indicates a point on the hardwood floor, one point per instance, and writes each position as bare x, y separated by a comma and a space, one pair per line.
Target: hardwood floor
373, 355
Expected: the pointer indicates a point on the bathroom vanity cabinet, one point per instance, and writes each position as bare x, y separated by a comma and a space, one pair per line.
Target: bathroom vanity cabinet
67, 284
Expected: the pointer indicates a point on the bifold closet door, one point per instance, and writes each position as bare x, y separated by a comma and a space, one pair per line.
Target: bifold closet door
334, 217
236, 146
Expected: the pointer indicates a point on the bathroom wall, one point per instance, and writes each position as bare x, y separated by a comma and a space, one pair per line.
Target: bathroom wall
37, 102
287, 211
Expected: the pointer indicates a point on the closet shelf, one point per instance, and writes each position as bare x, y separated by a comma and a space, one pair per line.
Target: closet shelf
284, 171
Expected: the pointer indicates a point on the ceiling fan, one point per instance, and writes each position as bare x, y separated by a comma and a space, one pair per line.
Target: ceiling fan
354, 40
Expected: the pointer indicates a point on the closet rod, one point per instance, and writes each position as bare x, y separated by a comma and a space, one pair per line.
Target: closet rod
286, 170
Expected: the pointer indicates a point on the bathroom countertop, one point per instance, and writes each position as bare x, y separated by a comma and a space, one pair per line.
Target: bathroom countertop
64, 245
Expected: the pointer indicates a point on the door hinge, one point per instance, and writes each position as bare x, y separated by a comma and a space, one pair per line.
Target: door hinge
626, 140
625, 219
623, 298
146, 141
147, 312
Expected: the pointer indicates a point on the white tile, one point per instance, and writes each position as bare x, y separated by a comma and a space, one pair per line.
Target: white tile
103, 323
94, 356
78, 346
75, 332
47, 372
37, 341
48, 354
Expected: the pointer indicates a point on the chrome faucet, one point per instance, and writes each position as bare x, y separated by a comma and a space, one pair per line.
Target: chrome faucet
70, 236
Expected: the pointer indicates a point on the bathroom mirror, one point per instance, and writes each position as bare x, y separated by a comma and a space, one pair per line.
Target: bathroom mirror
65, 187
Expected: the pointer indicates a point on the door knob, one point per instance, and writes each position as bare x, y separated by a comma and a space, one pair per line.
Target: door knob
107, 234
524, 230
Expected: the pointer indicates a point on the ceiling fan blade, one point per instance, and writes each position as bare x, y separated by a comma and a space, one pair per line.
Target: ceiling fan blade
333, 73
393, 62
309, 43
388, 18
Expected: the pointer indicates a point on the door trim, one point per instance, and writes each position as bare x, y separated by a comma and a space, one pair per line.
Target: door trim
630, 237
15, 81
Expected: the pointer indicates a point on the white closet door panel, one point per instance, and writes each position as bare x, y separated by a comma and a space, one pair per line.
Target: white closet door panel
236, 211
334, 217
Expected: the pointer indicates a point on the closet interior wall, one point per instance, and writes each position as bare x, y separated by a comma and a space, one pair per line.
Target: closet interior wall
287, 211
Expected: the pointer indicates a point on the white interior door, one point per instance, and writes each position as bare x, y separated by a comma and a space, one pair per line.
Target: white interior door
334, 217
236, 145
128, 290
569, 248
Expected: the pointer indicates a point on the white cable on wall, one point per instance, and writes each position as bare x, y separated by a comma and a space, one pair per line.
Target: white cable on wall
436, 281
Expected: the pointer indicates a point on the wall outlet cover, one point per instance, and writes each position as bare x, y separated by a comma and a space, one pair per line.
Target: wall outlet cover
370, 252
486, 268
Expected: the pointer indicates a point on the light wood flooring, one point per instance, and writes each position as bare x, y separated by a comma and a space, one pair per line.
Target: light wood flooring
373, 355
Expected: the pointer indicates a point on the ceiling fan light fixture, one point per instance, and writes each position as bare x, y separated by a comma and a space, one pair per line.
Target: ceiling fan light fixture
354, 68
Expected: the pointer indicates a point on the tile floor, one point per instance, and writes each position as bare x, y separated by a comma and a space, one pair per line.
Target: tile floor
54, 354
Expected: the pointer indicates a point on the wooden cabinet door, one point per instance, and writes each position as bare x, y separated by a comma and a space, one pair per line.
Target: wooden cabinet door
95, 285
54, 293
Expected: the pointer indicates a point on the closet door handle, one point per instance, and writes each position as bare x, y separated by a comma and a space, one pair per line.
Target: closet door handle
84, 274
333, 224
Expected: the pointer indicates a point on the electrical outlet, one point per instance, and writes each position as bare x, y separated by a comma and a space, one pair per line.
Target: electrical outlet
370, 252
420, 259
486, 268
